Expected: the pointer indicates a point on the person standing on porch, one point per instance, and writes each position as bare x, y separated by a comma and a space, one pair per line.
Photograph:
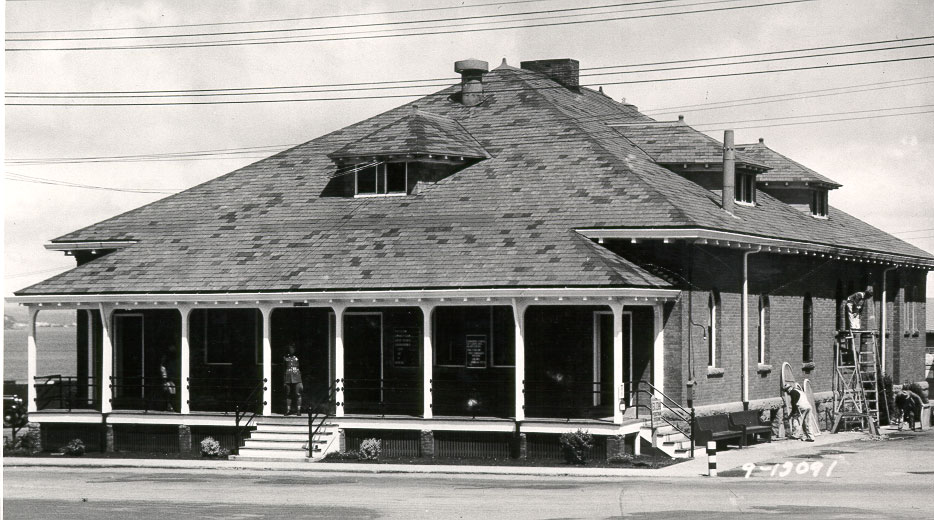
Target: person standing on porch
167, 383
292, 380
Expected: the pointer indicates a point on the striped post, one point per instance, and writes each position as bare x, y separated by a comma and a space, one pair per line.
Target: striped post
712, 458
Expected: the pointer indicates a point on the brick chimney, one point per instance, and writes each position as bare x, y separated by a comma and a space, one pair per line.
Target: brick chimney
471, 72
565, 71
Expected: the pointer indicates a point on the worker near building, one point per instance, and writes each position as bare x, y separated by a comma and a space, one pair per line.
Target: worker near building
800, 412
854, 307
292, 381
910, 406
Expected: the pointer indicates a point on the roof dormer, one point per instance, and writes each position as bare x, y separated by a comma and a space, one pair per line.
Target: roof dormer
418, 147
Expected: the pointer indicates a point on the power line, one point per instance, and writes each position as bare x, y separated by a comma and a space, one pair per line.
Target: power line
349, 26
450, 80
816, 115
387, 96
279, 20
821, 121
41, 180
206, 93
226, 43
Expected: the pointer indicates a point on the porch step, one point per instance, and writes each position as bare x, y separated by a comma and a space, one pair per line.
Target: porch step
267, 455
275, 445
265, 435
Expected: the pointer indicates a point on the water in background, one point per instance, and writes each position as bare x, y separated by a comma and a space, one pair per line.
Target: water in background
55, 352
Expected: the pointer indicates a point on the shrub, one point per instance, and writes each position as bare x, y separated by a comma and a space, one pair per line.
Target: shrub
575, 446
342, 455
623, 458
74, 448
211, 448
370, 449
26, 444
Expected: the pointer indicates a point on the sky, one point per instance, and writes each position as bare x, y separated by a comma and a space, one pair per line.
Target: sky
884, 163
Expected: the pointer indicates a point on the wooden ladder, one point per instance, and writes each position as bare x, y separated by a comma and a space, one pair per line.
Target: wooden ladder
858, 393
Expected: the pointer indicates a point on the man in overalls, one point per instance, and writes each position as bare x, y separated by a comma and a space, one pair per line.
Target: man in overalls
800, 411
292, 381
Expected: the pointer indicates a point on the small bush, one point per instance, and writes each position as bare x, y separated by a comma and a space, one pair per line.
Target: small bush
24, 445
370, 449
575, 446
624, 458
212, 449
342, 455
74, 448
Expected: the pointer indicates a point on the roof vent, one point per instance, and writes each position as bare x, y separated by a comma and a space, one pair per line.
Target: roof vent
565, 71
471, 72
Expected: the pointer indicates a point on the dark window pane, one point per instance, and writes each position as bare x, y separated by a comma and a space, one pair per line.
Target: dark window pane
395, 178
366, 181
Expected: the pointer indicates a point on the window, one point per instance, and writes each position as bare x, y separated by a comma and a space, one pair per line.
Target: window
381, 179
819, 203
807, 329
763, 329
745, 188
459, 330
910, 306
713, 309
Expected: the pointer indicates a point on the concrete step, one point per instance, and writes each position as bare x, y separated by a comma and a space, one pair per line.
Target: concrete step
275, 445
263, 454
278, 436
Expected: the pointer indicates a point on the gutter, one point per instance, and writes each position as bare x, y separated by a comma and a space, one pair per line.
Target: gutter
745, 326
884, 306
89, 246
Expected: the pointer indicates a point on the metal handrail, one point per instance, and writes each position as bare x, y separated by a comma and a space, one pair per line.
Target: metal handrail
571, 393
240, 412
314, 414
153, 386
676, 409
230, 389
380, 385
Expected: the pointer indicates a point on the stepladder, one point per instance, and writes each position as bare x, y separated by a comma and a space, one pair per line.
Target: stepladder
857, 387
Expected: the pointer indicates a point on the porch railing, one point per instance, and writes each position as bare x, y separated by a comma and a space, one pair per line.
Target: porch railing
485, 398
382, 396
663, 409
142, 393
568, 399
248, 408
67, 392
221, 394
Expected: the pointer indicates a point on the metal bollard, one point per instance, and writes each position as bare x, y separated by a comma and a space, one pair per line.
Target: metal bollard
711, 458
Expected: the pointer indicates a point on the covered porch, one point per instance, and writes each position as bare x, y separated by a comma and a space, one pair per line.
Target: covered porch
532, 355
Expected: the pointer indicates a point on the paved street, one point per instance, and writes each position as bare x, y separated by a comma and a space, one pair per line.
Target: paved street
890, 479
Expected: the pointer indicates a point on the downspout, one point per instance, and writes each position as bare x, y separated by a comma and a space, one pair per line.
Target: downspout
745, 326
885, 314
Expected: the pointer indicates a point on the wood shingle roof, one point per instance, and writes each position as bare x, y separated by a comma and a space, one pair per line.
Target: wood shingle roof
552, 165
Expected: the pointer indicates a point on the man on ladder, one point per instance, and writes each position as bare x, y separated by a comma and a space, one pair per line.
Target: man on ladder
854, 307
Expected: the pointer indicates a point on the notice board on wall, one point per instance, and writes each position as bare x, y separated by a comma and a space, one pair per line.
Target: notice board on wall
476, 350
405, 346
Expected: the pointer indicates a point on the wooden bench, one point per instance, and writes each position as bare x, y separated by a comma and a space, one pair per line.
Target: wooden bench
716, 428
751, 424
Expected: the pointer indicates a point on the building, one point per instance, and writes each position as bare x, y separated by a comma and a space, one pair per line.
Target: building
491, 265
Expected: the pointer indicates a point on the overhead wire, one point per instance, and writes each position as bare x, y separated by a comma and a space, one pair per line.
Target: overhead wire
430, 32
268, 90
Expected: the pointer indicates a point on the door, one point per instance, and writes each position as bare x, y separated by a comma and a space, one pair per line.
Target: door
129, 357
363, 360
603, 357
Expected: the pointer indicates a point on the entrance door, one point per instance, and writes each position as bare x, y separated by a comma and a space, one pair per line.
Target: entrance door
129, 357
363, 360
603, 357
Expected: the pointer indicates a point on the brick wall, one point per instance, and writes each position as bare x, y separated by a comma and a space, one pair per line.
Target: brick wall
786, 279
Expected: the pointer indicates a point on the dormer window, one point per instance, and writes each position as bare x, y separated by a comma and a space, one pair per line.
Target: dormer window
381, 179
745, 188
819, 203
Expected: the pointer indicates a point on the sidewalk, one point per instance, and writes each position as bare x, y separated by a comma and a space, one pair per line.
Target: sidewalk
728, 459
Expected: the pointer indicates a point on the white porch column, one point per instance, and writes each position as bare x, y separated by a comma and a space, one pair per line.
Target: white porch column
31, 362
658, 354
339, 359
267, 359
518, 310
427, 360
618, 395
184, 364
107, 358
